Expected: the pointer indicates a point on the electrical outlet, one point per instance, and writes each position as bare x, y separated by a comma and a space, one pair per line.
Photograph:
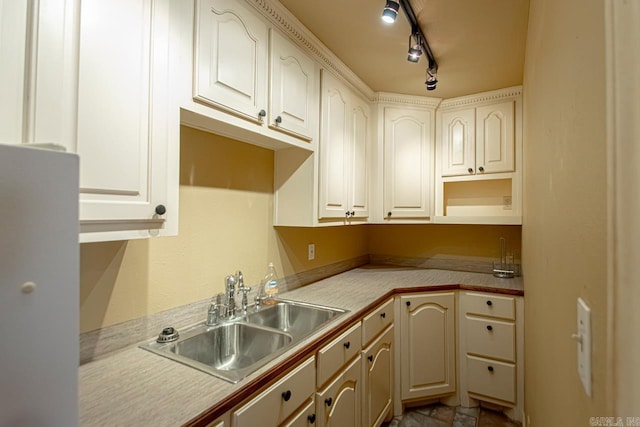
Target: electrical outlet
506, 203
583, 337
312, 251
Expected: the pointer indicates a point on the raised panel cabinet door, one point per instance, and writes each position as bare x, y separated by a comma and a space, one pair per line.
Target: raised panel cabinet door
334, 146
231, 58
123, 111
377, 379
294, 89
495, 137
407, 153
458, 142
358, 201
428, 345
338, 405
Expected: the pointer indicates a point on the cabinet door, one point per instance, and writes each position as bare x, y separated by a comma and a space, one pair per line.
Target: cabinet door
495, 137
338, 405
428, 345
303, 417
458, 142
231, 58
123, 118
358, 199
334, 144
407, 154
294, 89
377, 379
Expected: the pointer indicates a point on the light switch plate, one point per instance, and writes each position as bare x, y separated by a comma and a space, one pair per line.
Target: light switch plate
584, 345
312, 252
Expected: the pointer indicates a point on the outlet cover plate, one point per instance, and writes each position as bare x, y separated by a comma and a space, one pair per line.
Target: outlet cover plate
584, 345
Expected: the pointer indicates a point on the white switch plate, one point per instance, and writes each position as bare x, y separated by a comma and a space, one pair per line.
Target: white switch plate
584, 345
312, 251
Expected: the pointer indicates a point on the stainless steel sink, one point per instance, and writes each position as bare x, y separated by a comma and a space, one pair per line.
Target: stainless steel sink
238, 347
297, 319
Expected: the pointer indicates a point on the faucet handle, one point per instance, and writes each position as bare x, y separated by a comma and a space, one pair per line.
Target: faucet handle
240, 279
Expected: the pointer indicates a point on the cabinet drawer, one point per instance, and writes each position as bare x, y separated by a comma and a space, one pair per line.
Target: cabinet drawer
376, 322
275, 404
490, 338
491, 378
338, 352
485, 304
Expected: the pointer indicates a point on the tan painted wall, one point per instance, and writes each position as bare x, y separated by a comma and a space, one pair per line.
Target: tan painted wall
564, 225
226, 205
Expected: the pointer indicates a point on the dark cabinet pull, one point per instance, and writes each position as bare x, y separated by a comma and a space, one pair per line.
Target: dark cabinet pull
489, 328
161, 209
481, 169
347, 345
470, 170
389, 213
408, 303
328, 401
278, 120
370, 358
262, 113
383, 315
353, 213
490, 368
286, 395
489, 303
312, 418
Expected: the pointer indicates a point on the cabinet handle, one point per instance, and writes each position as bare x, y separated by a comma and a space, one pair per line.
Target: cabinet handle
490, 368
383, 315
278, 120
389, 213
481, 169
347, 345
489, 328
353, 213
370, 358
470, 170
286, 395
408, 303
328, 401
312, 418
261, 114
161, 209
489, 303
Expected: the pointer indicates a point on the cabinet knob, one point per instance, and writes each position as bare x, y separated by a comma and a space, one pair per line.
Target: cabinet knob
490, 368
161, 209
481, 169
311, 418
328, 401
489, 328
278, 120
261, 114
489, 303
470, 170
347, 345
353, 213
389, 213
383, 315
370, 358
408, 303
286, 395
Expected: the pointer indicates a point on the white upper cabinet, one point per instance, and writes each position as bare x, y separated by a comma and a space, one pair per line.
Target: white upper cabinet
125, 124
231, 58
408, 154
458, 142
345, 129
495, 137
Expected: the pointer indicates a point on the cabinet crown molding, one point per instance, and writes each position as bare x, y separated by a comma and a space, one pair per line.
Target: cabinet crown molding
406, 100
494, 95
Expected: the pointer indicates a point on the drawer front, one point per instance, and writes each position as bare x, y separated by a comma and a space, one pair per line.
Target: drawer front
486, 304
377, 321
279, 401
338, 352
491, 378
491, 338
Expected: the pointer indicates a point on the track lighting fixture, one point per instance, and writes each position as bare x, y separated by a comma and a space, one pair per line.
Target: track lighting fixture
432, 81
390, 11
415, 50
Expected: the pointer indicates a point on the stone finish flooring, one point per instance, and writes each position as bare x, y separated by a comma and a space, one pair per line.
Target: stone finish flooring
439, 415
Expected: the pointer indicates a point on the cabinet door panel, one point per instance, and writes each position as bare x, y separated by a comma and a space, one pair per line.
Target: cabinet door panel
338, 405
231, 58
407, 150
458, 142
359, 189
495, 137
377, 380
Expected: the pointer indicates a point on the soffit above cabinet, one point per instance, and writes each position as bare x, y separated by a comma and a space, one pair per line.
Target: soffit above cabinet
479, 46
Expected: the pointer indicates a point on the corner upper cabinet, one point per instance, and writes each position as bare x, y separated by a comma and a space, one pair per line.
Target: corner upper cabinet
345, 132
127, 132
408, 155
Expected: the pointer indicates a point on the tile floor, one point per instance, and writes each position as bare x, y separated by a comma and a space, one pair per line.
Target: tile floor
439, 415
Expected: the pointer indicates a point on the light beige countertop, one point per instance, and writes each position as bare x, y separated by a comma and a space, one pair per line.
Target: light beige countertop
134, 387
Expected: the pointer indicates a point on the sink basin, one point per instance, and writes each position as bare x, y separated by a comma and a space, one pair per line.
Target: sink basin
297, 319
238, 347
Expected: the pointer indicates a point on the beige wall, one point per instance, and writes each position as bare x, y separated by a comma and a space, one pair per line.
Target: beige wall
563, 233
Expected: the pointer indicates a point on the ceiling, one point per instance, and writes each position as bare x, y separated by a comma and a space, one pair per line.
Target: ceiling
479, 45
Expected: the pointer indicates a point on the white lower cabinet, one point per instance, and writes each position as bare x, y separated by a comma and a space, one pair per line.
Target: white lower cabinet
377, 379
338, 404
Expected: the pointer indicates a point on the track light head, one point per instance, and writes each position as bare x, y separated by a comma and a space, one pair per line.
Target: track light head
390, 11
432, 81
415, 50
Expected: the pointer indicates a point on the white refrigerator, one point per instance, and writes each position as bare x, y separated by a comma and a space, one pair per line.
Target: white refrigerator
39, 295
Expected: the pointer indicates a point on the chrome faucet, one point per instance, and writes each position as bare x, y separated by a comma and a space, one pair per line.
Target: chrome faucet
230, 303
244, 289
